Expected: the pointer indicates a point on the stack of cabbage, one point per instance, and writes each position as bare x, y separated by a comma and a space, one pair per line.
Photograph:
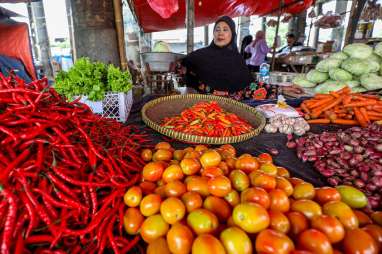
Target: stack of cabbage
357, 66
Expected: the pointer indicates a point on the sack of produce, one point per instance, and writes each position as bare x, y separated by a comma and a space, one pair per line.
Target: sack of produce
315, 76
358, 50
301, 80
339, 74
355, 66
327, 64
371, 81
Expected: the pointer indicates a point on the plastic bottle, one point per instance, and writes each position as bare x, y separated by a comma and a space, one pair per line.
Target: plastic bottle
264, 73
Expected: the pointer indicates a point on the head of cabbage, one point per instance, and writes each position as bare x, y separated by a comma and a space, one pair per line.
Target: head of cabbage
358, 89
301, 80
315, 76
329, 86
339, 55
355, 66
358, 50
339, 74
327, 64
371, 81
378, 49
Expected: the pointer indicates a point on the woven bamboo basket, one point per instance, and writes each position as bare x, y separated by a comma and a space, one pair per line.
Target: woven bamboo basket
156, 110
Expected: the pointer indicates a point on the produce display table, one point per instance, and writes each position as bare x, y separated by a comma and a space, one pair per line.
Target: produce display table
262, 143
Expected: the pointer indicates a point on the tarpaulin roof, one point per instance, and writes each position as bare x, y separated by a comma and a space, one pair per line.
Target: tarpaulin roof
161, 15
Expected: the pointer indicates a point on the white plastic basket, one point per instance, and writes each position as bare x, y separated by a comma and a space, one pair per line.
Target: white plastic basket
115, 105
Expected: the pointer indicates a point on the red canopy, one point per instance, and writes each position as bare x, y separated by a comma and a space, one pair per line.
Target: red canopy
161, 15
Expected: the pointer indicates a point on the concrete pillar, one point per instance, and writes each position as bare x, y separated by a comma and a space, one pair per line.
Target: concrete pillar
39, 21
94, 30
206, 39
318, 11
297, 25
70, 26
338, 33
244, 23
190, 24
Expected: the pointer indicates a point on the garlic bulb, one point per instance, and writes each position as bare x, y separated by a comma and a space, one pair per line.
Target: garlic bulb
270, 128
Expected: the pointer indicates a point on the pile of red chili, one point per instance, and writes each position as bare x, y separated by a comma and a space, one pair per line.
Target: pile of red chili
63, 173
208, 119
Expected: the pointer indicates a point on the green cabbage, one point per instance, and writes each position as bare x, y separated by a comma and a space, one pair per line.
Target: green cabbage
161, 46
378, 49
373, 66
352, 83
371, 81
339, 55
358, 50
376, 58
340, 75
301, 80
329, 86
355, 66
358, 89
315, 76
327, 64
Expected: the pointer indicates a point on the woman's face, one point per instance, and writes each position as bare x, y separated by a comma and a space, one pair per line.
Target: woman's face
222, 34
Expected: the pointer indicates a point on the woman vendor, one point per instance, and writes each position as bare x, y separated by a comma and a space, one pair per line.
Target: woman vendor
219, 68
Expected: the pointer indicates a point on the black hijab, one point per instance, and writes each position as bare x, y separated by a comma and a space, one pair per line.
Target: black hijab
246, 41
220, 68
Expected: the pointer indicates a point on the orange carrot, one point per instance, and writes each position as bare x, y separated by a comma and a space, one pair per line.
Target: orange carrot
345, 121
305, 108
361, 104
334, 94
322, 96
364, 114
377, 108
319, 121
321, 102
373, 113
347, 99
328, 106
360, 118
375, 118
344, 90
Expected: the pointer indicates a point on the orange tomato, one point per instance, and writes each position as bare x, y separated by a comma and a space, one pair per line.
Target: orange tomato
358, 241
239, 179
218, 206
161, 191
147, 187
192, 200
190, 166
192, 155
298, 223
269, 169
175, 189
375, 231
178, 155
283, 172
377, 217
172, 173
179, 239
230, 222
224, 167
279, 221
327, 194
330, 226
303, 191
163, 145
251, 217
158, 246
307, 207
210, 158
172, 210
211, 172
279, 201
200, 148
315, 241
256, 195
262, 180
146, 155
247, 164
162, 155
198, 184
188, 149
236, 241
153, 228
229, 150
133, 196
271, 242
294, 181
301, 252
283, 184
232, 198
174, 162
219, 186
265, 158
231, 162
132, 220
363, 218
202, 221
150, 204
152, 171
342, 212
207, 244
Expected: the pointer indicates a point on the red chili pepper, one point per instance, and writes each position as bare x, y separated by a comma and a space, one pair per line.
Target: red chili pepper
21, 157
111, 237
31, 213
10, 220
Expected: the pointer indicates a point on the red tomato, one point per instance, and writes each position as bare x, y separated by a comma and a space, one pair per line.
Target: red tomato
162, 155
150, 204
256, 195
315, 241
211, 172
283, 172
175, 189
192, 200
158, 246
179, 239
207, 244
279, 201
190, 166
375, 231
132, 220
271, 242
219, 186
283, 184
236, 241
153, 227
262, 180
247, 164
229, 150
298, 223
251, 217
178, 155
279, 221
265, 158
363, 218
233, 198
307, 207
153, 171
202, 221
163, 145
303, 191
210, 158
330, 226
198, 184
377, 217
172, 210
358, 241
172, 173
294, 181
147, 155
147, 187
327, 194
218, 206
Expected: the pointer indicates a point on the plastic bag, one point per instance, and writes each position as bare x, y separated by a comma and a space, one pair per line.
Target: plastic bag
165, 8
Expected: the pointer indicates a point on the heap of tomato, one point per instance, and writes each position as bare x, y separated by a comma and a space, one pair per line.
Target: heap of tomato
201, 200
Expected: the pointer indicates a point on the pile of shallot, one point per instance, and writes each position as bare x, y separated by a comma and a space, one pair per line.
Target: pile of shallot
351, 157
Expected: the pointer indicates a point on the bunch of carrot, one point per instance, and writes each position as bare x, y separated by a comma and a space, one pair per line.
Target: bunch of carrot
343, 107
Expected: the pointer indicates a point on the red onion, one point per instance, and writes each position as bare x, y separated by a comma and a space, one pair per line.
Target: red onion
358, 149
334, 181
359, 183
290, 137
291, 144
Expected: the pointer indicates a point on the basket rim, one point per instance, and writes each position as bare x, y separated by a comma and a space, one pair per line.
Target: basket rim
202, 139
